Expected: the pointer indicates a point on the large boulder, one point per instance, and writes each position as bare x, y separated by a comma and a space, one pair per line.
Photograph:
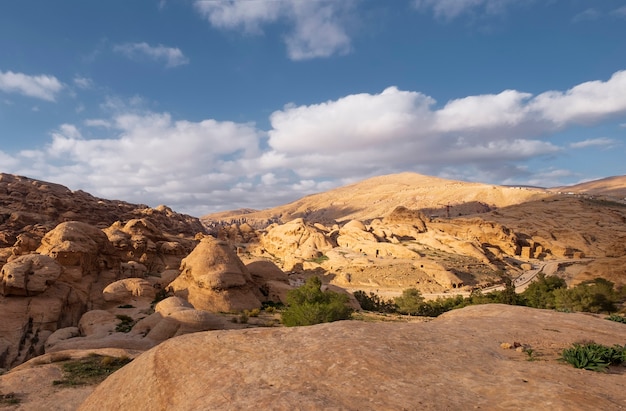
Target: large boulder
29, 275
77, 244
123, 291
214, 279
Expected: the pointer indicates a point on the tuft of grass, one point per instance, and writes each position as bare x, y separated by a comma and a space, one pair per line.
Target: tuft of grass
92, 369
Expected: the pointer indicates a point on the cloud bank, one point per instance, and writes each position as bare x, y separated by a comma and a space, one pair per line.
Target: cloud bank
203, 166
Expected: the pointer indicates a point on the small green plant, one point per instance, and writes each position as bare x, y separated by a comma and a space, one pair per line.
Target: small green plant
270, 309
243, 318
92, 369
125, 325
319, 260
617, 318
530, 354
594, 357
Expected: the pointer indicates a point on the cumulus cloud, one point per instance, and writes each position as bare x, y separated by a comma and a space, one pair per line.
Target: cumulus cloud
44, 87
585, 103
172, 56
450, 9
317, 25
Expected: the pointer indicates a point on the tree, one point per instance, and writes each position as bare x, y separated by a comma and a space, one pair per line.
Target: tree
410, 302
540, 294
591, 296
308, 305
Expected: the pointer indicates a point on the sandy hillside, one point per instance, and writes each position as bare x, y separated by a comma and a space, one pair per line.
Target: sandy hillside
378, 196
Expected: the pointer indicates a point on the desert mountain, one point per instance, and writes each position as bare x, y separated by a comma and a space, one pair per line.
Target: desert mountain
378, 196
610, 186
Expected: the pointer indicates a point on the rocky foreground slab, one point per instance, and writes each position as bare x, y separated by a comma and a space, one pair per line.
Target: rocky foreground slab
453, 362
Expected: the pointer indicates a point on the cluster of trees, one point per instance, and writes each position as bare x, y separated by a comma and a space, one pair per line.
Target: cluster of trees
549, 292
309, 305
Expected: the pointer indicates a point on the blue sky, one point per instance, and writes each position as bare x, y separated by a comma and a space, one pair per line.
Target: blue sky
214, 105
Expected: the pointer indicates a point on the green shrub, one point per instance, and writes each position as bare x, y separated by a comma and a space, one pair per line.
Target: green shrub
410, 301
594, 296
308, 305
540, 293
594, 357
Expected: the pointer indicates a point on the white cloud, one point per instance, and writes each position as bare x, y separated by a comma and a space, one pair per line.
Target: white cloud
484, 111
585, 103
44, 87
172, 56
317, 25
247, 15
450, 9
593, 142
83, 82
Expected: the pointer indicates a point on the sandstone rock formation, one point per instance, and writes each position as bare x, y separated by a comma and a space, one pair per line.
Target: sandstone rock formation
453, 362
29, 275
214, 279
56, 259
294, 242
270, 279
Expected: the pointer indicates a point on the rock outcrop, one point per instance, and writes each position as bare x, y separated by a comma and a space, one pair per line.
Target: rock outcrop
453, 362
29, 275
294, 242
214, 279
